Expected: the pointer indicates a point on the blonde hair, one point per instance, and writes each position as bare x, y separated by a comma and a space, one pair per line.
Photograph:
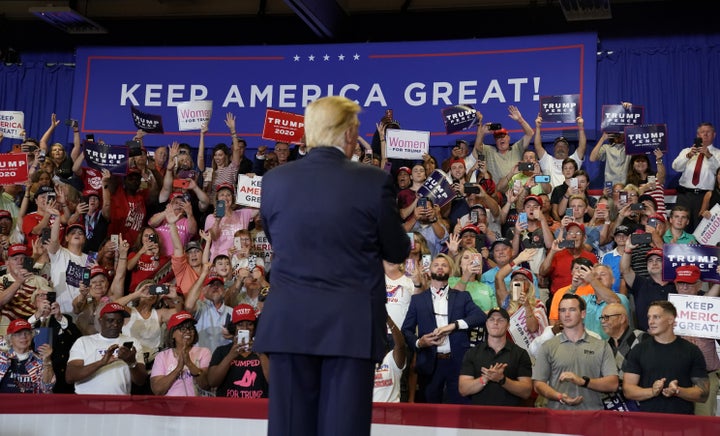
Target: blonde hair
327, 119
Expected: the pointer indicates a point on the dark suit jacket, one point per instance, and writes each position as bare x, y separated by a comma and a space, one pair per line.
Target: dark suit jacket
330, 222
421, 316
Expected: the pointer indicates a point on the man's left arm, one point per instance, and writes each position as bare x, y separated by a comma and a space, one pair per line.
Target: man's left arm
393, 237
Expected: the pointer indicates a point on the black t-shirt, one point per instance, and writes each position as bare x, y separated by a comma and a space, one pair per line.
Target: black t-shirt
244, 379
679, 360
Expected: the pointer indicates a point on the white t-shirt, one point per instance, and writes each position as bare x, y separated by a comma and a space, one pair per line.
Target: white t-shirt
64, 270
552, 166
399, 292
111, 379
387, 381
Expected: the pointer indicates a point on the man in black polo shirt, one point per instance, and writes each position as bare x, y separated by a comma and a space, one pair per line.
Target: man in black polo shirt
496, 372
645, 290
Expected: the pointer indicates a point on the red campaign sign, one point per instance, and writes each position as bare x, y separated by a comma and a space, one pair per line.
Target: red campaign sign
283, 126
13, 169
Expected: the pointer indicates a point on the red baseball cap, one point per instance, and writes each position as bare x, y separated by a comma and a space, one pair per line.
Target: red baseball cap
225, 186
213, 278
18, 249
243, 312
533, 198
500, 132
460, 161
114, 308
524, 272
18, 324
405, 170
654, 252
470, 228
179, 318
578, 225
687, 274
97, 270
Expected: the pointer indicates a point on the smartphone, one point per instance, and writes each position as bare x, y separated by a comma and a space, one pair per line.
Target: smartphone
495, 126
86, 276
181, 184
698, 142
566, 243
426, 260
42, 336
473, 216
609, 185
72, 123
481, 157
637, 206
29, 264
542, 179
51, 296
476, 259
153, 238
128, 344
623, 197
526, 166
90, 137
652, 179
574, 183
45, 235
422, 202
134, 148
523, 219
517, 186
569, 212
640, 238
243, 337
115, 239
471, 188
516, 290
388, 115
410, 265
229, 326
186, 174
220, 209
652, 222
159, 289
412, 240
51, 197
601, 206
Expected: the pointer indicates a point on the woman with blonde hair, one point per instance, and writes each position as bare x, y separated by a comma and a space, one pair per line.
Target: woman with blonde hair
522, 294
465, 276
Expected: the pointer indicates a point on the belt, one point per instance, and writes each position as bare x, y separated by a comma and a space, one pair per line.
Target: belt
443, 355
684, 190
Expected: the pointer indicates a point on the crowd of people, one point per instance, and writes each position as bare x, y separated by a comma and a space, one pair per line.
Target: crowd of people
524, 289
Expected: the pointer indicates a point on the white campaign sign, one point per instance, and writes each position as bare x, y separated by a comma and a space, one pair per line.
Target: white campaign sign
193, 114
708, 231
249, 191
406, 144
12, 124
697, 316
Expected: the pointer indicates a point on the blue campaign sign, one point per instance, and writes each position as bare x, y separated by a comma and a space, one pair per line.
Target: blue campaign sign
646, 138
705, 257
415, 79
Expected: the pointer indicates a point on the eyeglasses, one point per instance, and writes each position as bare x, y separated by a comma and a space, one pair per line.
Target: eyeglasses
187, 327
607, 317
574, 233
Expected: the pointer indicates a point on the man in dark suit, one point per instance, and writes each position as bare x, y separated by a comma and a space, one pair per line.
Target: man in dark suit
331, 222
442, 317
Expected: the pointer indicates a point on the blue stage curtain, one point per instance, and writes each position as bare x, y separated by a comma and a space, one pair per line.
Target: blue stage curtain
676, 78
40, 85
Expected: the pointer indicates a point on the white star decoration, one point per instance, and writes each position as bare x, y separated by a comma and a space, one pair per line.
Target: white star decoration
326, 57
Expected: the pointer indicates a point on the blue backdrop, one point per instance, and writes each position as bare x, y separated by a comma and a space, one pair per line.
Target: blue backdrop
673, 77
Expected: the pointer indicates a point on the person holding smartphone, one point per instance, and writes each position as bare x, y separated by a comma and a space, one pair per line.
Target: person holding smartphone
186, 224
697, 165
553, 164
18, 284
235, 362
22, 369
227, 220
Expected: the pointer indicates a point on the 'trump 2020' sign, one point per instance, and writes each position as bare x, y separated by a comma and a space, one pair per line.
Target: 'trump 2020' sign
415, 79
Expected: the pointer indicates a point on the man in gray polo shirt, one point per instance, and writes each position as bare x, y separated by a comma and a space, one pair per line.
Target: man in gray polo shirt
573, 369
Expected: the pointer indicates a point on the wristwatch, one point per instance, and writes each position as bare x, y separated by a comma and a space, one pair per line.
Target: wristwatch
502, 381
587, 381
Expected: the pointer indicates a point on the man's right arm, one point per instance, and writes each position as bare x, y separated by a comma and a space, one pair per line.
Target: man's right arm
626, 271
595, 154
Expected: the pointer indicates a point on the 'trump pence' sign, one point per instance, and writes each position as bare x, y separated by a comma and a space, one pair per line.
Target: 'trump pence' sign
406, 144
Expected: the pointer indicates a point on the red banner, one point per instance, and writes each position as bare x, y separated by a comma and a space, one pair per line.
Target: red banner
13, 169
283, 126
